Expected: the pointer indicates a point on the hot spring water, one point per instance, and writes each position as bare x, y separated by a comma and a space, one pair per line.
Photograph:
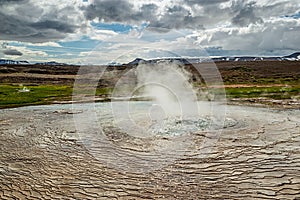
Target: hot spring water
173, 109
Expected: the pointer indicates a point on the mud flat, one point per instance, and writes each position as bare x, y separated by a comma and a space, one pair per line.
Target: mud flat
257, 157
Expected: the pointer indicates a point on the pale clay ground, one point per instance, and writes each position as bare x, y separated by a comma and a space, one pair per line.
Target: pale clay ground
257, 158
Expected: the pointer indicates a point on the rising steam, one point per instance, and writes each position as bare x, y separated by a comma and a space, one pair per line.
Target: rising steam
167, 84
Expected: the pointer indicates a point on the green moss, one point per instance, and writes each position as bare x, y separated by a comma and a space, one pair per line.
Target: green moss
12, 95
288, 92
104, 91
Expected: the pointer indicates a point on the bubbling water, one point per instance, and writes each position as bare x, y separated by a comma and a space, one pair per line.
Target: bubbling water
155, 122
173, 126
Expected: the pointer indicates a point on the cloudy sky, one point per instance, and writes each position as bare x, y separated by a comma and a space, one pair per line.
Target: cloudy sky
103, 31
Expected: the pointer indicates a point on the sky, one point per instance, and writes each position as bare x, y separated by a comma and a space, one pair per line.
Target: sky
117, 31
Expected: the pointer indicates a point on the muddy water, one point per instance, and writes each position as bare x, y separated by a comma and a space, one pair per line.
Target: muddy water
45, 156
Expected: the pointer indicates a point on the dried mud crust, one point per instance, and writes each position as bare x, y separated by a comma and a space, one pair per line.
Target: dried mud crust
42, 158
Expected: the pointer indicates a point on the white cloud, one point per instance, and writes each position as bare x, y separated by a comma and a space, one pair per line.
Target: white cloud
44, 44
179, 26
31, 53
273, 34
102, 34
125, 48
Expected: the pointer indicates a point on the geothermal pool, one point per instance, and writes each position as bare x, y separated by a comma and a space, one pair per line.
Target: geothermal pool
86, 151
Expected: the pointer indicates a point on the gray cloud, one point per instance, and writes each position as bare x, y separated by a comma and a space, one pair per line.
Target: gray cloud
4, 45
12, 52
218, 22
204, 2
175, 16
182, 15
3, 2
55, 25
246, 15
34, 23
186, 14
119, 11
15, 28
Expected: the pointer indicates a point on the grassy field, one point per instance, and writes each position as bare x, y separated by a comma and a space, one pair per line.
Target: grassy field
15, 95
272, 92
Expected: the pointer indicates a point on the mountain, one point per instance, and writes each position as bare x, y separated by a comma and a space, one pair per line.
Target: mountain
292, 57
152, 61
114, 63
247, 58
136, 61
24, 62
13, 62
50, 63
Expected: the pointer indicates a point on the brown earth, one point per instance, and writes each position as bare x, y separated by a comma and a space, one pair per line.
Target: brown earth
254, 72
251, 72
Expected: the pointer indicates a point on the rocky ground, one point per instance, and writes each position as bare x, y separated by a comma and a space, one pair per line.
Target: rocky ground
256, 158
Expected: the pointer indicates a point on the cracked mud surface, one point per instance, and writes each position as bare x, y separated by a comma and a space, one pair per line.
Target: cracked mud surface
42, 158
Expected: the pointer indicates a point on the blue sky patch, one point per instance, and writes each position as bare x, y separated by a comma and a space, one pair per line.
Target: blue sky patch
295, 16
83, 43
116, 27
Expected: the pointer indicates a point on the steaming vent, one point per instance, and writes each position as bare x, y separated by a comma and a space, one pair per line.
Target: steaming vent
172, 106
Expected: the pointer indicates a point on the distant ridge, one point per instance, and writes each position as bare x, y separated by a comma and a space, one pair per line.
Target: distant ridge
293, 57
50, 63
13, 62
24, 62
